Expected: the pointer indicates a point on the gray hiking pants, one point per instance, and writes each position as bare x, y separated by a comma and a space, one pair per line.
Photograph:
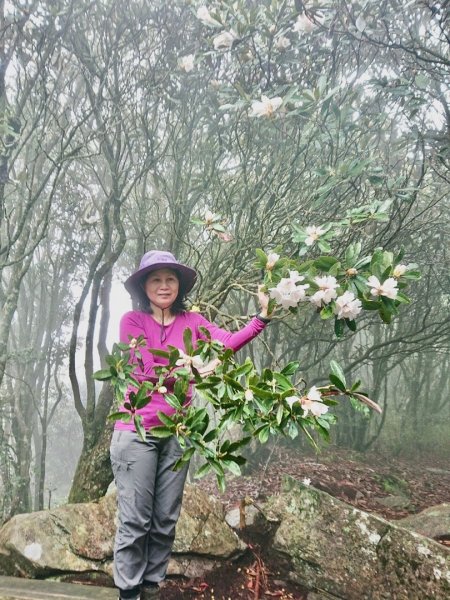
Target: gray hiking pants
149, 496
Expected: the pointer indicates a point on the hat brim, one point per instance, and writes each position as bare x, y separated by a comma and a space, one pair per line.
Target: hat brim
187, 275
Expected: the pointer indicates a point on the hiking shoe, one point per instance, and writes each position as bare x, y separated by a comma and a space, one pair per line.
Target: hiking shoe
129, 595
150, 592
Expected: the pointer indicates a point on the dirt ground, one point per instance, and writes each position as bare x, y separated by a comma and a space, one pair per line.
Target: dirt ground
361, 480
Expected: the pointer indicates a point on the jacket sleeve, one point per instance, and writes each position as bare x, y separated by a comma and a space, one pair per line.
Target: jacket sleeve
234, 340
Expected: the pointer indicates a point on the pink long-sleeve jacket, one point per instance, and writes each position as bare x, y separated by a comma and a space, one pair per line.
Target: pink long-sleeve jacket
134, 324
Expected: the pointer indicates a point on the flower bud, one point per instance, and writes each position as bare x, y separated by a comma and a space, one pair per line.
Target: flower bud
162, 389
248, 395
209, 217
399, 271
351, 272
272, 258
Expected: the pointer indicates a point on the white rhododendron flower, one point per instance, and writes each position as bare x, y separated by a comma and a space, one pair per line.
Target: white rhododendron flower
327, 291
315, 408
314, 395
189, 361
295, 277
204, 16
311, 403
314, 234
186, 62
303, 24
399, 271
282, 43
224, 40
208, 216
272, 258
287, 293
347, 306
291, 400
388, 288
306, 481
266, 107
248, 395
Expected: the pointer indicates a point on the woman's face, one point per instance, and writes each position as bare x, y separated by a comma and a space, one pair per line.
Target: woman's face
162, 288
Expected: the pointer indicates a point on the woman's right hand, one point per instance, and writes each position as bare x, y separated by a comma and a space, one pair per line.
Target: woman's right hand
263, 300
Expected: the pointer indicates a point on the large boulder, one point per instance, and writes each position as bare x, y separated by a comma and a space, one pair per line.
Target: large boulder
433, 522
340, 551
78, 538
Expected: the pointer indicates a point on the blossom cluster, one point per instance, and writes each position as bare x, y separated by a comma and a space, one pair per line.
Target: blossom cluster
288, 294
226, 39
292, 290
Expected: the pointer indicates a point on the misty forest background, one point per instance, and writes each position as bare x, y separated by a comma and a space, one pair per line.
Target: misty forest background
111, 142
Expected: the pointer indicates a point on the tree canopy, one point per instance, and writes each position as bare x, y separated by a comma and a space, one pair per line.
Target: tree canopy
212, 129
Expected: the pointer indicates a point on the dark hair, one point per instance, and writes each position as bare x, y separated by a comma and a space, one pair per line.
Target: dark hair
143, 303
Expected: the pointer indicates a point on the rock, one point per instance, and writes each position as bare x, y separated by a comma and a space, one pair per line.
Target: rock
433, 522
75, 538
438, 471
12, 588
233, 516
78, 538
394, 501
191, 567
202, 529
320, 596
341, 551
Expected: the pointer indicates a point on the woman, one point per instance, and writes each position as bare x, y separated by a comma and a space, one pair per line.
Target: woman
149, 492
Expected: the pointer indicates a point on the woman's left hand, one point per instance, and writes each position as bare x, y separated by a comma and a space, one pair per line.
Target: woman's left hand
209, 368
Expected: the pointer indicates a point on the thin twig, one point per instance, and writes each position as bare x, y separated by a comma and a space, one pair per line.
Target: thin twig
263, 474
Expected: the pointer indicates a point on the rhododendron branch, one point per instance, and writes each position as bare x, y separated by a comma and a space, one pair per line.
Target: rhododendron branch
264, 404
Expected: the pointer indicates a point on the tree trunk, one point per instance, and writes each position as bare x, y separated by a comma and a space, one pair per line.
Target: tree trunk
93, 473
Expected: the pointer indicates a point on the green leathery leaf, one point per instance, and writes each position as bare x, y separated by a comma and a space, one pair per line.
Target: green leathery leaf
336, 382
326, 312
262, 257
137, 419
165, 419
103, 375
120, 416
263, 434
351, 324
160, 431
290, 368
187, 339
337, 371
339, 327
324, 263
202, 471
232, 466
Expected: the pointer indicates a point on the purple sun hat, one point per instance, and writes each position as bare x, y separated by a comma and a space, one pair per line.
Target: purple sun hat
160, 259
